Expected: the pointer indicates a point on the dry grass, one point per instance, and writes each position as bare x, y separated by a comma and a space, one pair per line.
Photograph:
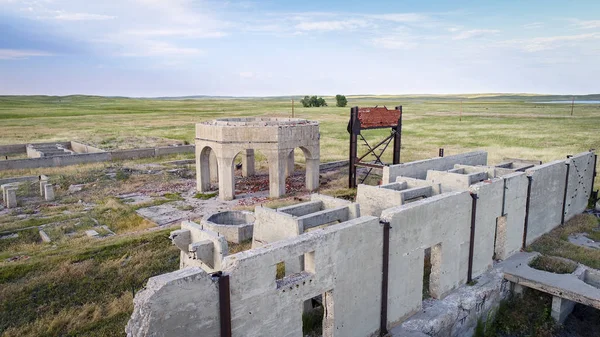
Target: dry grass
553, 264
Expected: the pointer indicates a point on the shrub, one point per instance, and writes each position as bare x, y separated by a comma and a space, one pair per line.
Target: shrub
340, 101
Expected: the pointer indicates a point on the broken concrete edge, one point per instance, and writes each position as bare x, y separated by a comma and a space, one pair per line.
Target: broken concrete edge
568, 286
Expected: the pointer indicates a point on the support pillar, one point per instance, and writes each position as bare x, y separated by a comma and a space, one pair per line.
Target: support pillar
248, 163
290, 165
42, 184
202, 169
516, 289
226, 179
312, 174
277, 168
561, 308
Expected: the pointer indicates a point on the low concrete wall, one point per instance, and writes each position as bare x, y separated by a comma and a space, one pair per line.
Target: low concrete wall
333, 164
132, 154
418, 169
161, 151
18, 179
31, 163
83, 148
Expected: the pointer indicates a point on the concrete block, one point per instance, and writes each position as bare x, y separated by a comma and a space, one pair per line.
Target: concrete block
11, 197
44, 236
235, 226
42, 187
49, 192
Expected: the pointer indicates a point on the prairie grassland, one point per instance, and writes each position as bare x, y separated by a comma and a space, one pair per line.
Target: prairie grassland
506, 126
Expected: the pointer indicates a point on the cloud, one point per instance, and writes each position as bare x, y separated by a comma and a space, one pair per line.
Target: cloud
178, 32
533, 25
474, 33
247, 74
332, 25
394, 42
591, 24
552, 42
402, 17
16, 54
67, 16
160, 48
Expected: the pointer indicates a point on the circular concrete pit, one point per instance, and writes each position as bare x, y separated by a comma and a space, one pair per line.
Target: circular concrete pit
235, 226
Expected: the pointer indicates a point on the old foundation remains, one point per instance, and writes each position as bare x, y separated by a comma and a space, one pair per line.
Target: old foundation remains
365, 261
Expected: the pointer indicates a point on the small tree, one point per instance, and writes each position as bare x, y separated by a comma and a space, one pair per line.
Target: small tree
321, 102
340, 101
305, 101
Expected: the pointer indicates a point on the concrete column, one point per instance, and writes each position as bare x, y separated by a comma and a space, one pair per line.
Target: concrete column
277, 167
289, 169
561, 308
202, 170
248, 163
11, 197
49, 192
226, 179
312, 174
214, 170
516, 289
42, 184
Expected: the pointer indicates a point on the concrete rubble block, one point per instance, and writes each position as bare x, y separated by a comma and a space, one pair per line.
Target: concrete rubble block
44, 236
92, 233
49, 192
275, 137
42, 184
11, 197
236, 226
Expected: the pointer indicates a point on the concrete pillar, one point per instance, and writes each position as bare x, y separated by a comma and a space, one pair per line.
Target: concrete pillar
516, 289
561, 308
4, 188
214, 170
49, 192
248, 163
226, 179
277, 167
11, 197
202, 169
290, 165
42, 184
312, 174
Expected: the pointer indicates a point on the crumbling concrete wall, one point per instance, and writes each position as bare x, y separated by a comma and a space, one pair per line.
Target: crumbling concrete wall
509, 236
181, 303
418, 169
546, 198
442, 223
344, 270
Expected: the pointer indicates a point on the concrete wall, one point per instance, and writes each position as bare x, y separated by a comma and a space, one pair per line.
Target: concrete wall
83, 148
163, 309
546, 200
132, 154
510, 228
441, 223
489, 207
581, 171
261, 305
418, 169
161, 151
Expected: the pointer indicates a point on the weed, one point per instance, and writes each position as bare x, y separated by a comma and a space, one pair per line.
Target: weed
205, 196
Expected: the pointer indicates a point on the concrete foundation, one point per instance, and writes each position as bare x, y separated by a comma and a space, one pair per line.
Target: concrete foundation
235, 226
274, 137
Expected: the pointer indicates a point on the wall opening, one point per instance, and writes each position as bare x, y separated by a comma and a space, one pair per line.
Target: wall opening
295, 270
426, 273
312, 316
500, 238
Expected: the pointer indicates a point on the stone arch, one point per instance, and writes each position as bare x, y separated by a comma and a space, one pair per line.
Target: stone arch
251, 161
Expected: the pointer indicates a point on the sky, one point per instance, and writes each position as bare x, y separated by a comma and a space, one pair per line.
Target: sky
151, 48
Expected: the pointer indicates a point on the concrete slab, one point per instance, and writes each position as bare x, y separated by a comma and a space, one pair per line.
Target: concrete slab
166, 214
582, 240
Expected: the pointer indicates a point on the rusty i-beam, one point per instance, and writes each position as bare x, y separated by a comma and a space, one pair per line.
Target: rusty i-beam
368, 119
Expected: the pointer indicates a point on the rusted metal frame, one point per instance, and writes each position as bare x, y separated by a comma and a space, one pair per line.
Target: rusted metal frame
564, 206
224, 305
474, 198
384, 278
397, 138
527, 202
372, 149
378, 160
353, 146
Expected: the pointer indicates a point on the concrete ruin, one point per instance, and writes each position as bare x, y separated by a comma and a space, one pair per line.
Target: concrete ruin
276, 138
367, 263
235, 226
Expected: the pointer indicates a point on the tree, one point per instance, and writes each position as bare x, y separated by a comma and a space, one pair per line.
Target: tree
313, 101
341, 101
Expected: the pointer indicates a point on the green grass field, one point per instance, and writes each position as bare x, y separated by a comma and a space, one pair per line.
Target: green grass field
83, 287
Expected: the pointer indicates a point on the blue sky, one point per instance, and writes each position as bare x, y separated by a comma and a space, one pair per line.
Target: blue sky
271, 48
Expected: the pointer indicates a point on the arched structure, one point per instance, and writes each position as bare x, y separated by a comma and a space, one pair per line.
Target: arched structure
275, 137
